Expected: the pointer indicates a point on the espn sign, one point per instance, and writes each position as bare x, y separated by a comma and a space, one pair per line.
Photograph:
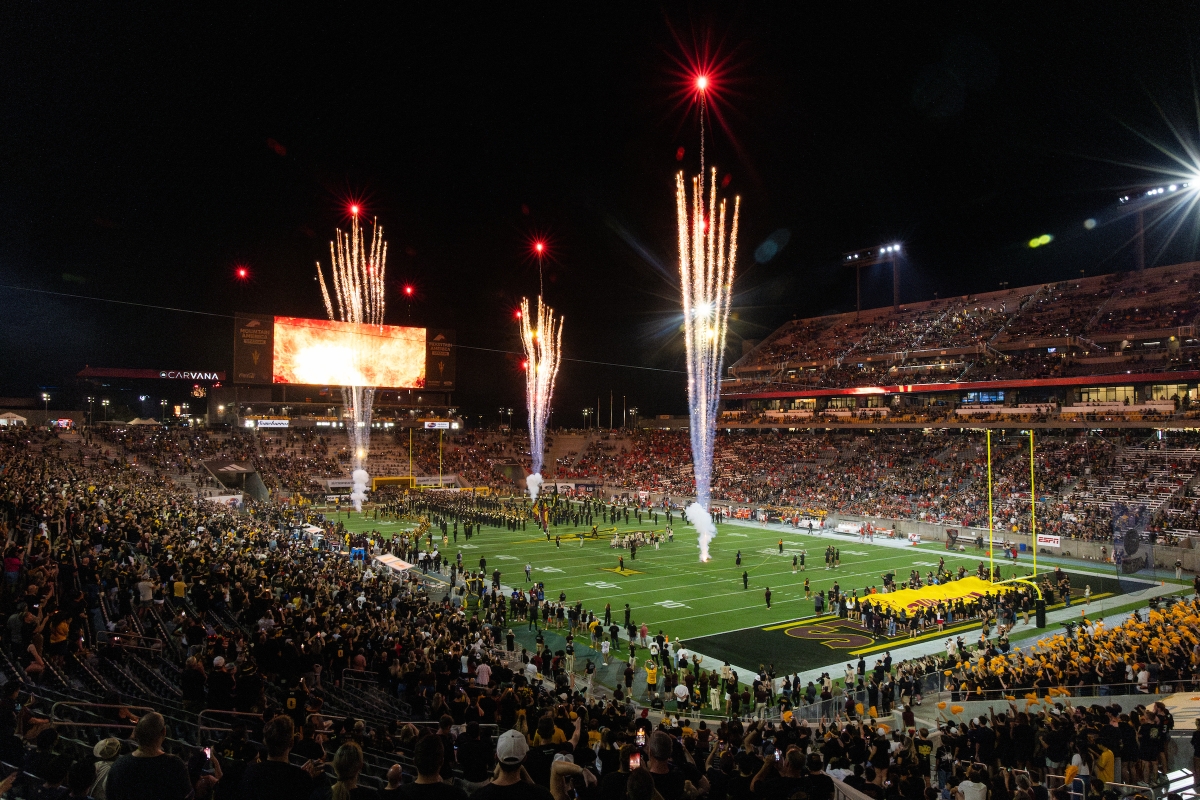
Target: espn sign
1046, 540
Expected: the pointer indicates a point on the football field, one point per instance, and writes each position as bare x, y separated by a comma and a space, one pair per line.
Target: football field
705, 604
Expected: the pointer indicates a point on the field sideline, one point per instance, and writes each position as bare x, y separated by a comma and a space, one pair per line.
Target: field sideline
670, 590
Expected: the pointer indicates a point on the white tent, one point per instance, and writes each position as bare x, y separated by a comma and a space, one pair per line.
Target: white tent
391, 562
143, 421
9, 418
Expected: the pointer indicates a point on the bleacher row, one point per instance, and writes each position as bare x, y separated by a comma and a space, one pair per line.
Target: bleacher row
1082, 326
138, 670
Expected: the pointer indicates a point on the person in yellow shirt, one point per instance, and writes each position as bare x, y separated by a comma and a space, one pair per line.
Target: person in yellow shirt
651, 677
1102, 761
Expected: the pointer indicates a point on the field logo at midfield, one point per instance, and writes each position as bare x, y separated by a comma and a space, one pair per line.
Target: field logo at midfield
622, 572
836, 634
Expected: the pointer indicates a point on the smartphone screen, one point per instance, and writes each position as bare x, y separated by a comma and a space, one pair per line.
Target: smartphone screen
635, 760
208, 753
778, 755
640, 739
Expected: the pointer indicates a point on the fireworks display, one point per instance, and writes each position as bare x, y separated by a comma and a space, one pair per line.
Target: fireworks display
707, 258
541, 337
358, 297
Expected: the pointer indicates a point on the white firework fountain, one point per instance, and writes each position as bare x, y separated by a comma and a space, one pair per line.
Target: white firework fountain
542, 340
358, 297
707, 258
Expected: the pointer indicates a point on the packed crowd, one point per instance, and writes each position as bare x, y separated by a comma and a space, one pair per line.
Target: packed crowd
990, 334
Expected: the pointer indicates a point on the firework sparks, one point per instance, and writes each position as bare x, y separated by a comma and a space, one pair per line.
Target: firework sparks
542, 338
707, 260
358, 297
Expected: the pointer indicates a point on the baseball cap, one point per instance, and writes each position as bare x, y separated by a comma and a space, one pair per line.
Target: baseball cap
511, 747
218, 662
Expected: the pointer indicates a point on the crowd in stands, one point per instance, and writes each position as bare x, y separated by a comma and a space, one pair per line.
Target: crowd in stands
930, 476
1068, 328
183, 625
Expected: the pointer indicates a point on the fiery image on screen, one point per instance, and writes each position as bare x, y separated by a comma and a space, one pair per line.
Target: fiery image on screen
319, 352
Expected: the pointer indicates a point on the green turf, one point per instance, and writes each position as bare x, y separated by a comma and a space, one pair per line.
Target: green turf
673, 592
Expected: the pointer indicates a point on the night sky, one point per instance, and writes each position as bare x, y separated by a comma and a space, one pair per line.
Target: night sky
145, 155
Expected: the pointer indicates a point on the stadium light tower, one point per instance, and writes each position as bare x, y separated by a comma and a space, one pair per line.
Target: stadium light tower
1166, 198
883, 254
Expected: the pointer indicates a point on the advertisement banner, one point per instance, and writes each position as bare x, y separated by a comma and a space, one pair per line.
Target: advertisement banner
253, 340
272, 423
440, 360
1046, 540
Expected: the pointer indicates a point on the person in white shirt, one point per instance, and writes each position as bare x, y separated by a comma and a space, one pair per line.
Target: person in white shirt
604, 651
483, 674
973, 788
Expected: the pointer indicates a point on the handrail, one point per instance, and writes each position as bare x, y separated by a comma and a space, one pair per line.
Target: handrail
371, 677
104, 637
200, 726
54, 718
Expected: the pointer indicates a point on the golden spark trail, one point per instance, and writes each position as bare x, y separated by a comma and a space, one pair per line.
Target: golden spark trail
358, 297
707, 262
542, 339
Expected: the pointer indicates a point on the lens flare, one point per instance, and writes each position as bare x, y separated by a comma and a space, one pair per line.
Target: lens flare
358, 296
543, 355
707, 261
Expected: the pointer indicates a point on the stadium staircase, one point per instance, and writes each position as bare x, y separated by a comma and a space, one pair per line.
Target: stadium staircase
565, 444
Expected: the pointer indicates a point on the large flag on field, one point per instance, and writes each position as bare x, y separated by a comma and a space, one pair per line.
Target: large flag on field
930, 596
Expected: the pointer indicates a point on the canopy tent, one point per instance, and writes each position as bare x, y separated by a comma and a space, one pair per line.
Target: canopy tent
9, 418
143, 421
391, 562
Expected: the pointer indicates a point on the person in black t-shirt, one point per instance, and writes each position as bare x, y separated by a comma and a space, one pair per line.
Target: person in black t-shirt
428, 758
149, 773
820, 785
275, 778
511, 781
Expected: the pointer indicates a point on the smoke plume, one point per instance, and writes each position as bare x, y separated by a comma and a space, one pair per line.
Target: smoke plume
705, 527
534, 482
359, 491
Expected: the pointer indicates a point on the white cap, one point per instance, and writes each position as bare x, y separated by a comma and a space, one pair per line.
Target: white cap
511, 747
218, 662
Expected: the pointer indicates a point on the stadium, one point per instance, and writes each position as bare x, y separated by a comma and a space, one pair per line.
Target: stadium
271, 538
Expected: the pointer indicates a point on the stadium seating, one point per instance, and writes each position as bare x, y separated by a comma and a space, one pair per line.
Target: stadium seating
1098, 325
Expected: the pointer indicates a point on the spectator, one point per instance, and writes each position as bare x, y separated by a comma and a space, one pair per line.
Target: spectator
275, 778
428, 758
511, 781
149, 773
106, 750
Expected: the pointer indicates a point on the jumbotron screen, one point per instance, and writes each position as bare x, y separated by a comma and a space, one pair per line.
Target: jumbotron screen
319, 352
